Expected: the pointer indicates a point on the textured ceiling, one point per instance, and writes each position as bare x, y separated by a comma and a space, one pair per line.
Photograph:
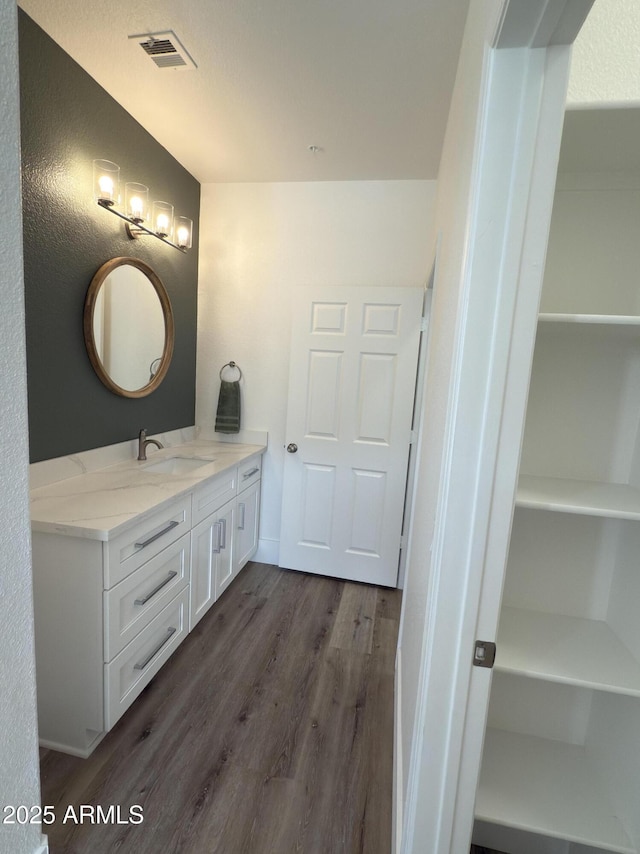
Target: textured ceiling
367, 81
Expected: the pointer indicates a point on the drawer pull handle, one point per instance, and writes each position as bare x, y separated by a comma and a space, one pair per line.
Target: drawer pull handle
223, 536
242, 509
142, 664
153, 537
157, 589
250, 473
216, 542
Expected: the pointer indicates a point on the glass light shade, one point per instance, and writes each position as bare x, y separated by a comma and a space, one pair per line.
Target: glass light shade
162, 219
184, 232
136, 201
106, 182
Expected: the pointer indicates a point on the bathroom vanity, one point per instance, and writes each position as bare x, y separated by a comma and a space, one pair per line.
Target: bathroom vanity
126, 560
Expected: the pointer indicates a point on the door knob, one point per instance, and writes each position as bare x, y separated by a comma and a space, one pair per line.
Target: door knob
292, 447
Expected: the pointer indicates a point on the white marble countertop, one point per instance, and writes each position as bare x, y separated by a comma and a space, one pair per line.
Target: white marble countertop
99, 504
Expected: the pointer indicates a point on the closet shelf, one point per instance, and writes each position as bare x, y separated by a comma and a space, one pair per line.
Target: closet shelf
546, 787
570, 650
591, 319
583, 497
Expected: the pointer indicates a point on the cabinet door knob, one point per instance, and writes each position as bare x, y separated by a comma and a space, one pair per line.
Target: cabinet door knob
292, 447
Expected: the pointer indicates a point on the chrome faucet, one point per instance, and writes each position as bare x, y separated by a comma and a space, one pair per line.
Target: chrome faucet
143, 442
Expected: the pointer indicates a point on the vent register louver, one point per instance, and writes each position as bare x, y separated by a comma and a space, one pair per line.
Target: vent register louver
166, 50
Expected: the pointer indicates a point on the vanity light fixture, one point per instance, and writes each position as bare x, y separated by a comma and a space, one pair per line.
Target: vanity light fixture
106, 192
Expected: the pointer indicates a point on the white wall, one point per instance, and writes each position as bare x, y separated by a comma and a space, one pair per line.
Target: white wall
258, 242
594, 253
19, 781
605, 56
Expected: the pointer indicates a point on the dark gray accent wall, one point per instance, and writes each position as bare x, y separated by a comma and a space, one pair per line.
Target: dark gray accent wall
67, 121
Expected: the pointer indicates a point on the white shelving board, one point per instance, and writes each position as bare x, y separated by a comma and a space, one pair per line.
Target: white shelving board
591, 319
569, 650
584, 497
546, 787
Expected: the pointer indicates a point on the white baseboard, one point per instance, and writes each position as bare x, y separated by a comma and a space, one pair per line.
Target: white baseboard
72, 751
268, 551
498, 838
396, 815
43, 848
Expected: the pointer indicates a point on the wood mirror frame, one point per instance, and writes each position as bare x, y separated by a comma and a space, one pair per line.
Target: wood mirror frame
88, 325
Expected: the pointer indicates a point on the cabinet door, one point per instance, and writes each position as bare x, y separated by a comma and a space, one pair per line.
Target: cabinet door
212, 560
225, 564
205, 544
246, 530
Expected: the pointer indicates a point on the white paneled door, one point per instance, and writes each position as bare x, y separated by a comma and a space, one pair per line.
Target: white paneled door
354, 356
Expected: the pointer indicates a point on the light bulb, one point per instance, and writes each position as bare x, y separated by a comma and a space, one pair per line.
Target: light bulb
106, 187
106, 181
162, 219
136, 198
136, 207
184, 229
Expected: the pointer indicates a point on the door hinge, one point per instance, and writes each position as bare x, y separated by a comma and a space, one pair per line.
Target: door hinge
413, 437
424, 324
484, 653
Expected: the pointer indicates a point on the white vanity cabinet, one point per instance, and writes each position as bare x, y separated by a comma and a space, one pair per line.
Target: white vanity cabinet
107, 617
227, 537
112, 605
212, 542
246, 528
212, 566
248, 513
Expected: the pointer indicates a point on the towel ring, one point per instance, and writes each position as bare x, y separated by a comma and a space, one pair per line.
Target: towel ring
232, 365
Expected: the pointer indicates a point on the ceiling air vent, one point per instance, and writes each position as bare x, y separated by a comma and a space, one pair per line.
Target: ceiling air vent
166, 50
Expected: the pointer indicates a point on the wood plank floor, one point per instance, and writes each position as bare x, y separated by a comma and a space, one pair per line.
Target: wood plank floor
269, 731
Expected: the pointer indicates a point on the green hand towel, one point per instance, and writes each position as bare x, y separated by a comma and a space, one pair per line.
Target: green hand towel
228, 412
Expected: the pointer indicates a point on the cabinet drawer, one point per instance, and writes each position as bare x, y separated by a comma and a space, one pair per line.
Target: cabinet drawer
249, 472
135, 601
214, 494
137, 664
146, 539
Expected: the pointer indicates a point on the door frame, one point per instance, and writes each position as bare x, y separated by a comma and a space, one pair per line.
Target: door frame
519, 123
416, 421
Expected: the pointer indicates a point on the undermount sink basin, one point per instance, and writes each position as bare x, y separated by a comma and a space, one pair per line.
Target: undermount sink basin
177, 465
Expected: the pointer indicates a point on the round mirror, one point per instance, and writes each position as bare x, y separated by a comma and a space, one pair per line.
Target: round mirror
128, 327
